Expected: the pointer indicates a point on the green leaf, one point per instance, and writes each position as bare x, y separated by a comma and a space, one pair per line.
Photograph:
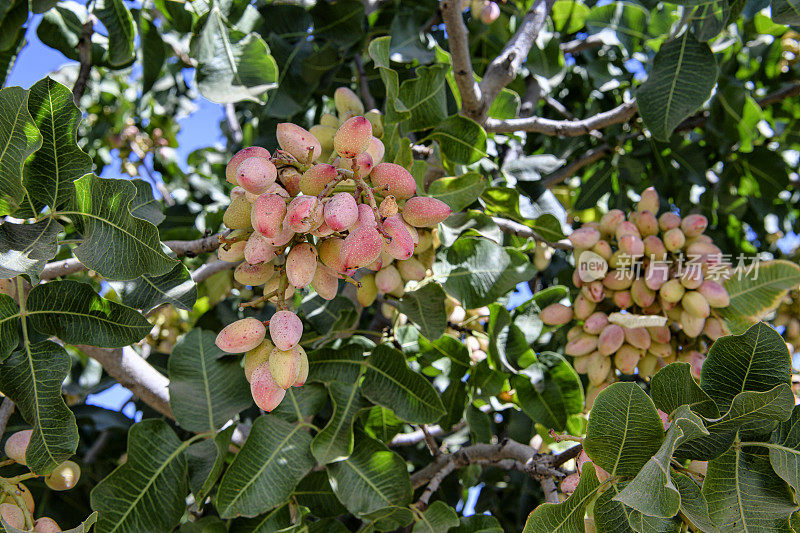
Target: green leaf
301, 402
652, 492
461, 139
7, 60
232, 66
73, 312
754, 294
471, 222
31, 377
343, 364
451, 348
709, 19
624, 430
61, 28
784, 449
334, 442
49, 174
693, 504
684, 73
372, 479
341, 22
116, 245
786, 11
148, 491
759, 409
744, 494
279, 519
549, 391
206, 460
390, 383
19, 138
154, 51
567, 516
176, 288
757, 360
26, 248
437, 518
273, 459
314, 491
118, 21
328, 315
504, 201
381, 423
9, 326
609, 514
627, 20
598, 183
508, 347
144, 205
460, 191
480, 424
674, 386
379, 51
425, 97
454, 399
568, 15
425, 308
477, 271
206, 387
478, 523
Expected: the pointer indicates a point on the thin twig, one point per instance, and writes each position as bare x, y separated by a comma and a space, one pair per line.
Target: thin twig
366, 96
564, 128
579, 45
430, 442
521, 230
209, 269
595, 154
6, 410
233, 123
415, 437
85, 58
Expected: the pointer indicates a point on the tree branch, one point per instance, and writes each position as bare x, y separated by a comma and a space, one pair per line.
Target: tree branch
6, 410
209, 269
457, 38
366, 96
85, 58
564, 128
595, 154
780, 95
507, 454
181, 248
502, 70
134, 373
233, 123
521, 230
415, 437
579, 45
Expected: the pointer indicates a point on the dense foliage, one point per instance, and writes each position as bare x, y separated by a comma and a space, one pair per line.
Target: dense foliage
391, 172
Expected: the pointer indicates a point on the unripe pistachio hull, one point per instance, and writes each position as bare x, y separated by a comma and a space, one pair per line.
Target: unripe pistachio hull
285, 330
241, 336
266, 393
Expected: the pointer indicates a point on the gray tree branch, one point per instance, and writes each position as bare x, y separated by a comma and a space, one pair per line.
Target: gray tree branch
521, 230
457, 38
181, 248
564, 128
503, 69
